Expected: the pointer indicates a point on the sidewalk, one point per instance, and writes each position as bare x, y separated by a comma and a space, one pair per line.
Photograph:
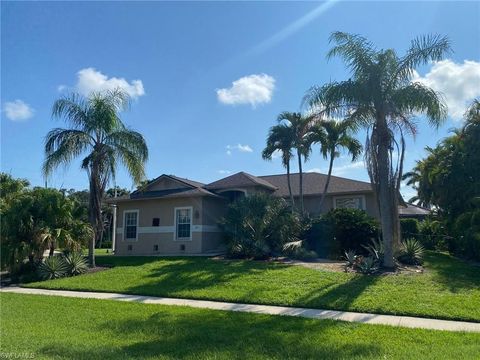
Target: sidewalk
401, 321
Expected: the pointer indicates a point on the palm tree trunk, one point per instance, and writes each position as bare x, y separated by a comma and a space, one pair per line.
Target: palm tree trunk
95, 215
290, 186
385, 199
322, 199
301, 180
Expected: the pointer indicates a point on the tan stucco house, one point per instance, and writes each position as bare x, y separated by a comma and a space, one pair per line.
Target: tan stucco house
173, 215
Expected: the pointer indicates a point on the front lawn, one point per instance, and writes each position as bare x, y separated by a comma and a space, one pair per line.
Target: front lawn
449, 288
55, 327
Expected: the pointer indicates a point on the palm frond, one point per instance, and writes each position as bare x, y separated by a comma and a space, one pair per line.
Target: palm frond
422, 50
418, 98
62, 146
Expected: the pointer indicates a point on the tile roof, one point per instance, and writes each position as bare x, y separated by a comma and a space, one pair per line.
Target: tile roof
238, 180
163, 194
187, 181
314, 183
412, 210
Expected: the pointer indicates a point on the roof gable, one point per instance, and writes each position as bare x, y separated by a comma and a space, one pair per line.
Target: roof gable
169, 182
240, 179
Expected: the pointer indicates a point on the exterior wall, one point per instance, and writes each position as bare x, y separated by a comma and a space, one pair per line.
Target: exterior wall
312, 204
163, 235
213, 211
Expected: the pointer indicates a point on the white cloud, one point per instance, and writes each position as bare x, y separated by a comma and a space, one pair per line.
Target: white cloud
276, 154
90, 80
224, 172
340, 170
18, 110
458, 83
238, 147
253, 89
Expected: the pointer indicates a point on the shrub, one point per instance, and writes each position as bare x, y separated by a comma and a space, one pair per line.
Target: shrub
258, 226
409, 228
411, 252
341, 229
76, 263
52, 267
431, 234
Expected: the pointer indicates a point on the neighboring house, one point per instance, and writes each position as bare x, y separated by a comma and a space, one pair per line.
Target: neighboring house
173, 215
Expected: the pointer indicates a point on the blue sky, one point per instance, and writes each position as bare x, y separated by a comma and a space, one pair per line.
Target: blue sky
175, 59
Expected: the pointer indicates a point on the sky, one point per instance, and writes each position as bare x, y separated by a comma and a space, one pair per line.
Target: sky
208, 79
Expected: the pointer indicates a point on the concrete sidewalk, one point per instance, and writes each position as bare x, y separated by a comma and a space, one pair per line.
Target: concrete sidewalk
401, 321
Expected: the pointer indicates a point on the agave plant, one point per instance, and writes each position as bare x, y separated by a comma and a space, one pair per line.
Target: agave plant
367, 265
411, 252
53, 267
76, 263
351, 257
375, 249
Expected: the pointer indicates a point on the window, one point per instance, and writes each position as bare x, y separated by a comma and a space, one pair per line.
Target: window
183, 217
354, 202
131, 222
156, 222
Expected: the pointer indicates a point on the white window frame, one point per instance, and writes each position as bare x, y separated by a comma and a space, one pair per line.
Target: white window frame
125, 212
175, 238
364, 203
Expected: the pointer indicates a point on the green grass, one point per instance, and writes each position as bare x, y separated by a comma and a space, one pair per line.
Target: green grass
102, 252
449, 288
66, 328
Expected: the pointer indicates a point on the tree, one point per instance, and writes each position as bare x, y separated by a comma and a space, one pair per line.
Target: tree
97, 131
300, 127
332, 136
281, 138
381, 97
259, 226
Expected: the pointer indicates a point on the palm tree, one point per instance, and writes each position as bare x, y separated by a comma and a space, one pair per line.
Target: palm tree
381, 97
300, 126
333, 135
96, 131
281, 138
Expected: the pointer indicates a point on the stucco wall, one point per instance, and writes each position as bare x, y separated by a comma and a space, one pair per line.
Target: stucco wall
312, 204
163, 236
206, 235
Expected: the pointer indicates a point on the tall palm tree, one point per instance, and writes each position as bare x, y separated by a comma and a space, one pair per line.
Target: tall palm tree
96, 131
381, 97
300, 126
332, 136
281, 138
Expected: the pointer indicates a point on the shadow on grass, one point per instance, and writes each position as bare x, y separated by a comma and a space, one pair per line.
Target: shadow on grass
221, 335
340, 296
455, 274
187, 274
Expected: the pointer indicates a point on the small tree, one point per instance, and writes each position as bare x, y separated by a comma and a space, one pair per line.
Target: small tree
259, 226
97, 131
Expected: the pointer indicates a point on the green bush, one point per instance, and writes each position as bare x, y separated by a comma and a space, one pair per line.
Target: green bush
259, 226
432, 234
52, 267
342, 229
410, 228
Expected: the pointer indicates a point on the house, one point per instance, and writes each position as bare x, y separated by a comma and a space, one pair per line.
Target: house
173, 215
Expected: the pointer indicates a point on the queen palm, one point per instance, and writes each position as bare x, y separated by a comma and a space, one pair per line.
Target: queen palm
333, 136
300, 127
381, 97
281, 139
96, 132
